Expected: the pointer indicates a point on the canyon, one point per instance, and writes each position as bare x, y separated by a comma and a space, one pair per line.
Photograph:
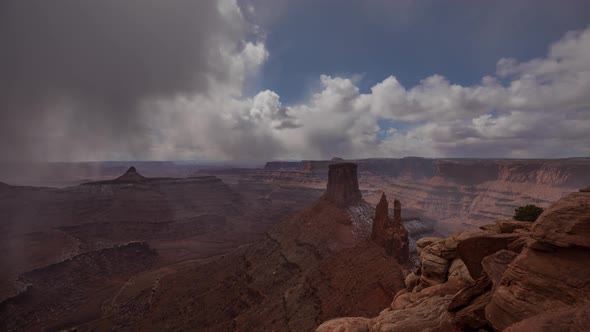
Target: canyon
287, 246
457, 193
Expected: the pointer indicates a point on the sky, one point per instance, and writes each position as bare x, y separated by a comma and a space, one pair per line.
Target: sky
256, 80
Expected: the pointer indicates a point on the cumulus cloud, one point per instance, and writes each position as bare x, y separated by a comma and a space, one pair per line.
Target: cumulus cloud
166, 80
537, 108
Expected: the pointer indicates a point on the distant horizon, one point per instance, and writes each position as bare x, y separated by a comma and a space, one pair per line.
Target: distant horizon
212, 162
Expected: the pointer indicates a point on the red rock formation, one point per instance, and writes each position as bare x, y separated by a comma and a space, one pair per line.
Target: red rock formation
553, 270
391, 235
544, 286
474, 249
400, 244
397, 213
381, 224
343, 186
440, 188
131, 176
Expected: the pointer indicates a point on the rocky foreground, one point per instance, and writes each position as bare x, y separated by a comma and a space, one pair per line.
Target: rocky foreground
508, 276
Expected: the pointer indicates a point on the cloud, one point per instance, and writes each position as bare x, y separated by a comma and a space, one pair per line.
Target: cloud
537, 108
166, 80
74, 74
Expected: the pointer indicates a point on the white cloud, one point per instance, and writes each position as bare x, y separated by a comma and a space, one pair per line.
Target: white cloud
538, 108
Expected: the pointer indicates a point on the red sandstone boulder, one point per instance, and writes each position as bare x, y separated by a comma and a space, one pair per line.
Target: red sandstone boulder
471, 301
425, 242
434, 268
473, 315
565, 223
496, 264
553, 271
427, 314
537, 282
472, 250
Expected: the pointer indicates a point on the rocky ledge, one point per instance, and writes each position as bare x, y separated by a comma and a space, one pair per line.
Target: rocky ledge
507, 276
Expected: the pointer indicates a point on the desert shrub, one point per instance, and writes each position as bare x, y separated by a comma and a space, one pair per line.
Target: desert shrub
527, 213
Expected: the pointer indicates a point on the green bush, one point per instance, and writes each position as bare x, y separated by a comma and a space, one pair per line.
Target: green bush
527, 213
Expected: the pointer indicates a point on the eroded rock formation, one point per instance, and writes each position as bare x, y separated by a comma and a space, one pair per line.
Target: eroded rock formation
400, 243
553, 271
392, 235
382, 231
131, 176
343, 185
507, 276
463, 193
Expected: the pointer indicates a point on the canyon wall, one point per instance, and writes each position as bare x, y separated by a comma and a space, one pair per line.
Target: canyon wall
459, 193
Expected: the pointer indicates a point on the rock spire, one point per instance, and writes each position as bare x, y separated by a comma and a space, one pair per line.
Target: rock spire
382, 224
392, 235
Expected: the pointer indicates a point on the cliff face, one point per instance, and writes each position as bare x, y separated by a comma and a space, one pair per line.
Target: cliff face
508, 276
462, 192
343, 186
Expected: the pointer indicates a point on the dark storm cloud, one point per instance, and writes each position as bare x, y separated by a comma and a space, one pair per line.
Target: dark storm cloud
79, 68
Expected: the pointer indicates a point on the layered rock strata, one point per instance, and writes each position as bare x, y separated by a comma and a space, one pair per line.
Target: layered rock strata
343, 186
508, 276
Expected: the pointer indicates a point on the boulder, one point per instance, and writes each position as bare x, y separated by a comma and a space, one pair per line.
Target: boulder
404, 299
458, 270
470, 302
472, 250
434, 269
425, 242
496, 264
537, 282
449, 248
552, 271
467, 294
473, 315
565, 223
427, 314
